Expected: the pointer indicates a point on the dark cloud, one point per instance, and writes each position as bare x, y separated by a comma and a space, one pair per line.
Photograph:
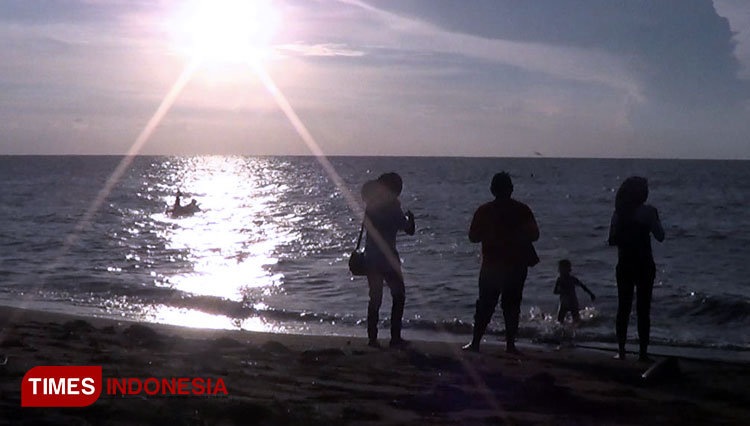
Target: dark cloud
682, 51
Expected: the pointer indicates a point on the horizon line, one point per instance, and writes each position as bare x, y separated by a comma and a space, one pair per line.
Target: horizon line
536, 157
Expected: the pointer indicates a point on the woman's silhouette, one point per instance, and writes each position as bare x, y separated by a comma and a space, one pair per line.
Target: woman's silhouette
633, 222
384, 219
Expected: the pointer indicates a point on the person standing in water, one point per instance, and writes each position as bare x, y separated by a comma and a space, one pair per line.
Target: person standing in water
383, 220
632, 224
565, 286
177, 204
506, 228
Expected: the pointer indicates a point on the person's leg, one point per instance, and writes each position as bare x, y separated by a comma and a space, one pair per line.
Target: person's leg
512, 287
624, 305
644, 292
576, 315
375, 282
395, 281
489, 293
561, 312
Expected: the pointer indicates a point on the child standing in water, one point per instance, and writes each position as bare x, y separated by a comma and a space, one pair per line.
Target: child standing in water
565, 286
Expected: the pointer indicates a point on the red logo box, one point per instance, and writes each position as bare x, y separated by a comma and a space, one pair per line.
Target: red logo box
61, 386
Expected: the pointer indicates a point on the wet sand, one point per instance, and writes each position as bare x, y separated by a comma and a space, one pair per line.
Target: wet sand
290, 379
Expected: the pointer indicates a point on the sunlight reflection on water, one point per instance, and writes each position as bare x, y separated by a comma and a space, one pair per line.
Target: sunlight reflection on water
197, 319
231, 243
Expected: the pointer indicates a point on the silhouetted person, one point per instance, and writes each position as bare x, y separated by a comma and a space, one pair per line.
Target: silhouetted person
384, 218
177, 204
633, 222
193, 206
565, 286
506, 228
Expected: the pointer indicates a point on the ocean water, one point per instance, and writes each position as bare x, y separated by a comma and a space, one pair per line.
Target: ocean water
269, 250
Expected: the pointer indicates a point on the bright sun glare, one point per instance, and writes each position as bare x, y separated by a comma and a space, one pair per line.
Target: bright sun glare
226, 30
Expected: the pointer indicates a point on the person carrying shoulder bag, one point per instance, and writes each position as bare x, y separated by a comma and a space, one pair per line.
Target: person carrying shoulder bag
383, 220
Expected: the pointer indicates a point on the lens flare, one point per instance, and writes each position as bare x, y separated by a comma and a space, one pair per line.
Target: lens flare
234, 31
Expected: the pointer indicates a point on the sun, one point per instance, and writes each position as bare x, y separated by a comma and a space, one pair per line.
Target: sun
226, 30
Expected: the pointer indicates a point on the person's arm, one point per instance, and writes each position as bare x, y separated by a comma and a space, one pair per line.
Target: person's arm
613, 230
475, 230
409, 226
656, 227
557, 287
586, 289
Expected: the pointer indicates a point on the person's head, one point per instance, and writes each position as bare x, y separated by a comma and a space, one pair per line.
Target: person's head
502, 185
632, 193
564, 267
371, 191
193, 202
392, 181
367, 189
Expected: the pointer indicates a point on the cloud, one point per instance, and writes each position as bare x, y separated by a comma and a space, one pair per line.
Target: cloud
416, 36
321, 49
738, 14
47, 12
680, 52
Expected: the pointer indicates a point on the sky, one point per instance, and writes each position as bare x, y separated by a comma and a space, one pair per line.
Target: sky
553, 78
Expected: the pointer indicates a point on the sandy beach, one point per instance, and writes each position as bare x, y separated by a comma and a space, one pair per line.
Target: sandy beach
292, 379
